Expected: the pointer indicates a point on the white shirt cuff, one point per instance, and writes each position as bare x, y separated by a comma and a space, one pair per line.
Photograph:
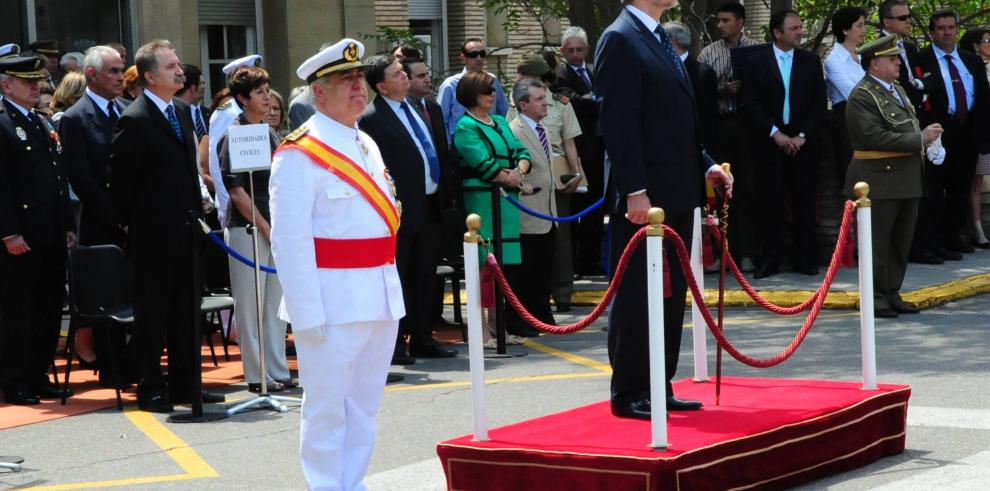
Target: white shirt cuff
773, 129
636, 193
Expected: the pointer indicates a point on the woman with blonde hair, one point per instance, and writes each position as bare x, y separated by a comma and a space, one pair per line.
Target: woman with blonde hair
132, 88
69, 90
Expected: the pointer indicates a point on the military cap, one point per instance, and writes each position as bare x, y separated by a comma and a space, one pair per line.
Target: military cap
250, 60
533, 65
26, 67
9, 50
47, 48
344, 55
885, 46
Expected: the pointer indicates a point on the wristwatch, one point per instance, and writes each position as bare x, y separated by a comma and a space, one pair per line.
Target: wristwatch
801, 135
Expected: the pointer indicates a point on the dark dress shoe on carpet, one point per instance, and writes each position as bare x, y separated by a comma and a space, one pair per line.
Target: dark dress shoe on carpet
394, 377
50, 391
155, 403
764, 272
289, 383
635, 410
903, 308
21, 397
274, 386
563, 307
432, 352
885, 313
675, 404
950, 255
983, 245
926, 258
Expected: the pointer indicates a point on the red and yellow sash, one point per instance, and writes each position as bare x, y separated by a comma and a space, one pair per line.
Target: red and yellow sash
347, 170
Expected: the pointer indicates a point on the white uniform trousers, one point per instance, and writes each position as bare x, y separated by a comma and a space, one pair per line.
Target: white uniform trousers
242, 288
343, 375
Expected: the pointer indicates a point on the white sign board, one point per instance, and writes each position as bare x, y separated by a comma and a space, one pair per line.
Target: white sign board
250, 149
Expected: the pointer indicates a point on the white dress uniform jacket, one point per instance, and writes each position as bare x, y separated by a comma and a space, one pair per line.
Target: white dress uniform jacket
220, 120
307, 202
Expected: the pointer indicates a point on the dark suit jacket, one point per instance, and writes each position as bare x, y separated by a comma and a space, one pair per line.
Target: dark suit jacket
86, 133
763, 93
403, 160
705, 84
34, 200
914, 58
937, 109
571, 84
154, 181
648, 120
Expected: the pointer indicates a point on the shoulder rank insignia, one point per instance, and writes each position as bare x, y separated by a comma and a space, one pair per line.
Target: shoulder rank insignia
225, 105
297, 133
562, 98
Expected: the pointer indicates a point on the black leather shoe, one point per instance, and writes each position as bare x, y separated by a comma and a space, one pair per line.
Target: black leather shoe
524, 331
635, 410
764, 272
903, 308
213, 397
983, 245
563, 307
432, 352
926, 258
155, 403
20, 396
289, 383
50, 391
675, 404
399, 356
885, 313
274, 386
950, 255
959, 246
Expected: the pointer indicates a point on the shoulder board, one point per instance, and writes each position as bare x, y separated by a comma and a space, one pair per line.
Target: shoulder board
563, 99
225, 105
297, 134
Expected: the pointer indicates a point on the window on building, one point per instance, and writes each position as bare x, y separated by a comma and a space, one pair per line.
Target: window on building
78, 26
222, 44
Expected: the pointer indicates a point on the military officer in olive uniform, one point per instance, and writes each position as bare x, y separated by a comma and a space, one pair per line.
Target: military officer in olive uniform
36, 226
888, 154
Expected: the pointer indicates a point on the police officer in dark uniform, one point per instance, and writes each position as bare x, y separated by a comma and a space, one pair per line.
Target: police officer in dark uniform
36, 227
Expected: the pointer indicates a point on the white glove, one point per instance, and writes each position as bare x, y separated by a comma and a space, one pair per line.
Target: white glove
936, 152
309, 336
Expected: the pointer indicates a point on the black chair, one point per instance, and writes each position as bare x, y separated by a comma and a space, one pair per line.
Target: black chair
99, 296
216, 295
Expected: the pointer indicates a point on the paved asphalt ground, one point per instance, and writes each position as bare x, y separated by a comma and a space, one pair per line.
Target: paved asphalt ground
943, 353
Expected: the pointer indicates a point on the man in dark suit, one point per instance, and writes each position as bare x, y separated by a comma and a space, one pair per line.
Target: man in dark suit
652, 139
409, 150
895, 18
703, 81
958, 100
35, 225
154, 189
576, 80
192, 94
784, 94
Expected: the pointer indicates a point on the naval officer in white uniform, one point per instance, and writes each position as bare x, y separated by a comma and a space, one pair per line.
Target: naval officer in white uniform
220, 120
334, 219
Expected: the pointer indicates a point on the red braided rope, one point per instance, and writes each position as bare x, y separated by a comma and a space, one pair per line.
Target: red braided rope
620, 271
835, 264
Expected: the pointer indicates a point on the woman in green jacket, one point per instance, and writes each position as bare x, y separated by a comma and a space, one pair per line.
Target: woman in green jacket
489, 153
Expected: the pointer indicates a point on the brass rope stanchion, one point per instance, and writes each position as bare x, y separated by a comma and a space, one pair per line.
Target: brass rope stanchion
723, 226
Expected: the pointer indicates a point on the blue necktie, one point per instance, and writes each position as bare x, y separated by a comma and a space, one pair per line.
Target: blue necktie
583, 73
785, 73
669, 49
172, 120
424, 141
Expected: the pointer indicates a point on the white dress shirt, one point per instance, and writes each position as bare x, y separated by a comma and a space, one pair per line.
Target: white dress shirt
159, 103
102, 102
842, 72
431, 187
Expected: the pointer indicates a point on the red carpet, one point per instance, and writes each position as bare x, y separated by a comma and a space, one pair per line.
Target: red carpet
767, 434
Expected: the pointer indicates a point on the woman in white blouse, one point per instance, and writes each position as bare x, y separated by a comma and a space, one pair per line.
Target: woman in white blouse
842, 72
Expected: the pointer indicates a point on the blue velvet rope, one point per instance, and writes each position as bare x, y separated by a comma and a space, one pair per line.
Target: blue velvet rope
537, 214
236, 255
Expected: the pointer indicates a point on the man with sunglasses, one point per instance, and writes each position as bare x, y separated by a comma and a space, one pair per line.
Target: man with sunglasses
473, 57
895, 18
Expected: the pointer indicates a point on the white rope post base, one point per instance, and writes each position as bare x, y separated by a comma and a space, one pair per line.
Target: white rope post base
472, 280
654, 294
867, 333
699, 335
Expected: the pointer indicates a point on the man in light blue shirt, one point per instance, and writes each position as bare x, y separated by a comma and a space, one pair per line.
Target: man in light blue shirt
473, 56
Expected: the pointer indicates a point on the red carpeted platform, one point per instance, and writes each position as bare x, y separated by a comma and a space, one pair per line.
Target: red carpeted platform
767, 434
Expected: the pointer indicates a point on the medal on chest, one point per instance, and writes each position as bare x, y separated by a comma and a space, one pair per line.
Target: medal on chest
54, 137
391, 189
21, 134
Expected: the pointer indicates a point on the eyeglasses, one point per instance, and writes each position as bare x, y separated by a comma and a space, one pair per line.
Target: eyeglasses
488, 91
474, 54
902, 18
984, 41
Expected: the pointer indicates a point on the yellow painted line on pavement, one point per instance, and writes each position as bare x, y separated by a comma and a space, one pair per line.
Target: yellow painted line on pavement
192, 464
493, 381
571, 357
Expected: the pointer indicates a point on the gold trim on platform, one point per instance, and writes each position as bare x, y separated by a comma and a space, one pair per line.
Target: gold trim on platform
450, 471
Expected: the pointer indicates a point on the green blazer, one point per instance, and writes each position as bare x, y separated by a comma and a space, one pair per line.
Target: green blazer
878, 122
484, 151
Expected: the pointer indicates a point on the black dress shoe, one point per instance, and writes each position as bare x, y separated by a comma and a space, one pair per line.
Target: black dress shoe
764, 272
983, 245
432, 351
523, 331
155, 403
926, 257
885, 313
902, 308
213, 397
289, 383
50, 391
393, 377
274, 386
563, 307
635, 410
399, 356
675, 404
20, 396
959, 246
949, 255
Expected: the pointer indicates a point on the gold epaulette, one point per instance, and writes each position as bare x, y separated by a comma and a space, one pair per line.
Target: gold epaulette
225, 105
297, 133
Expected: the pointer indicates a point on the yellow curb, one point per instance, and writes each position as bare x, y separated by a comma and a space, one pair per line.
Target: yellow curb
923, 298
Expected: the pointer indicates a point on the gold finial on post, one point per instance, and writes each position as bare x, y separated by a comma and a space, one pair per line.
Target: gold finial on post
862, 191
473, 223
656, 217
727, 167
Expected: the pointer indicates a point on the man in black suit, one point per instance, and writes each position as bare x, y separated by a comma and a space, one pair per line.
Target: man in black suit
154, 189
193, 90
576, 80
703, 80
784, 94
652, 138
35, 225
409, 150
895, 18
958, 100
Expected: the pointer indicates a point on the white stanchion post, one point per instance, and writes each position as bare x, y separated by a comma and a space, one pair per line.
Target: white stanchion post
654, 292
699, 333
866, 321
472, 280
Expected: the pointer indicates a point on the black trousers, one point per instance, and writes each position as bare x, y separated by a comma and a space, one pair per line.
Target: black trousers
628, 321
944, 211
164, 299
841, 147
416, 259
532, 280
587, 232
32, 287
797, 174
733, 146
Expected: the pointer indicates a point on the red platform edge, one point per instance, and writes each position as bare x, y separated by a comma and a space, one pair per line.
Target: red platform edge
768, 434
